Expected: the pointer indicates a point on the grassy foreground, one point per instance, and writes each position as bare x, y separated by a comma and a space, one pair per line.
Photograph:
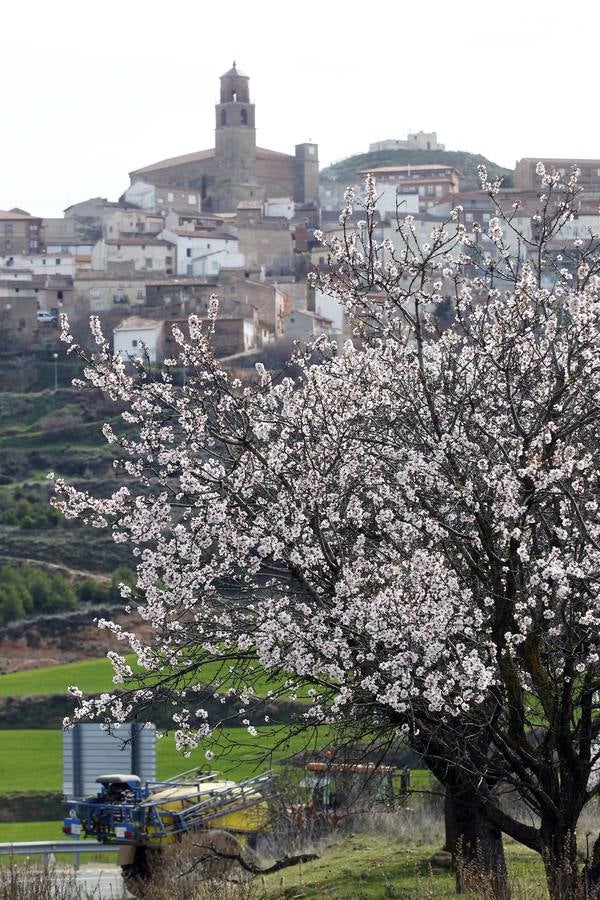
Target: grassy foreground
376, 866
354, 867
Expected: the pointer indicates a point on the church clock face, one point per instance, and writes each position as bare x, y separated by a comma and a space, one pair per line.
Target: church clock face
311, 150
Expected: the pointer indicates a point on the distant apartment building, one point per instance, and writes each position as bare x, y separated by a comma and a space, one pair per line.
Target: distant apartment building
432, 182
134, 253
41, 263
20, 232
418, 140
102, 291
526, 179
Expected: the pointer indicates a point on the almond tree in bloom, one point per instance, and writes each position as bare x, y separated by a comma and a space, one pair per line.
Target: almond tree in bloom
408, 529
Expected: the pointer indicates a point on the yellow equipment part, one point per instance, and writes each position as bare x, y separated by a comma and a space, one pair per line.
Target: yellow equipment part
241, 821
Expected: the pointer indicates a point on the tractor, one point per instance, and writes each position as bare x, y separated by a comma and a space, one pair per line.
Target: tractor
141, 818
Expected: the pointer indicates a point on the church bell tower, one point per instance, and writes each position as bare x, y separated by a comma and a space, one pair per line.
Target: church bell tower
235, 143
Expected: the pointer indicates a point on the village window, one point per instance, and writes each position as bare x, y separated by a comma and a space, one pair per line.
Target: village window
22, 323
192, 199
469, 217
168, 260
148, 262
188, 270
8, 228
134, 343
140, 294
59, 295
170, 196
188, 251
244, 116
223, 117
8, 245
33, 229
44, 261
57, 262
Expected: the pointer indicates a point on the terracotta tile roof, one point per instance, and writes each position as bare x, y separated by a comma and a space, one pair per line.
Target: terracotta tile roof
261, 153
218, 235
176, 161
15, 214
137, 240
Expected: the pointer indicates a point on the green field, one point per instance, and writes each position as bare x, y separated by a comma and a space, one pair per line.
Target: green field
92, 676
30, 760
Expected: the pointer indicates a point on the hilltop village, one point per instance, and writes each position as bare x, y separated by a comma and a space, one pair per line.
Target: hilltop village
237, 220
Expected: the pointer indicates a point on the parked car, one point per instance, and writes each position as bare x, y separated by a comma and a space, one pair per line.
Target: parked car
43, 315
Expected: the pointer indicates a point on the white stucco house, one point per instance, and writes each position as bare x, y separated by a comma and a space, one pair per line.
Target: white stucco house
134, 253
302, 324
135, 336
204, 253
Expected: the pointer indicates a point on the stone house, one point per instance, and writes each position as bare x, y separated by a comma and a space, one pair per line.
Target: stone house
232, 334
19, 325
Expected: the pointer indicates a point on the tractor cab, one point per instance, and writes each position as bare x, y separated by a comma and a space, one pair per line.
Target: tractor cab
339, 788
119, 788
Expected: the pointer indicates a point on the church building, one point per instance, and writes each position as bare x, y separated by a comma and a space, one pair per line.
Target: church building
236, 170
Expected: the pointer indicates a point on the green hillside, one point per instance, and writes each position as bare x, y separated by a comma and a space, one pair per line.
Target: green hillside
93, 676
466, 163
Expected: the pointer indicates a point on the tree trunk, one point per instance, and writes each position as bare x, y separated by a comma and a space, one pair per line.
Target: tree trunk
593, 871
565, 880
475, 844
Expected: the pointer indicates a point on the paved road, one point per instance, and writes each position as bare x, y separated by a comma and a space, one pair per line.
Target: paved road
103, 882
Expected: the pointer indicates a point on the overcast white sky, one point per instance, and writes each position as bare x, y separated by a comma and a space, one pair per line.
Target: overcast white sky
91, 90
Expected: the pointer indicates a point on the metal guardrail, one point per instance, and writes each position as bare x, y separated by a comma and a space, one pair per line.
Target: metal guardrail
48, 848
